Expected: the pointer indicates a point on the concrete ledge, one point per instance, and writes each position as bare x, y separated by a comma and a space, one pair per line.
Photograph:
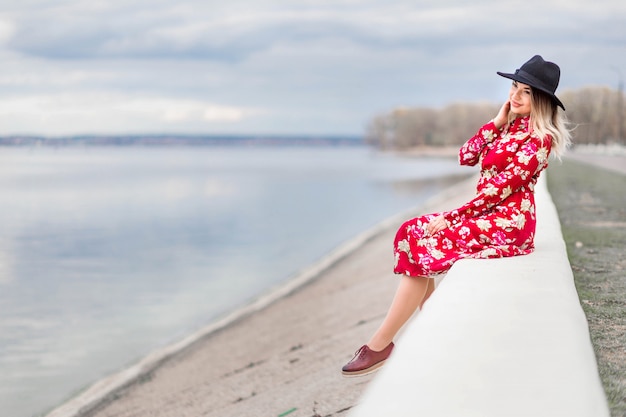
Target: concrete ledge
499, 337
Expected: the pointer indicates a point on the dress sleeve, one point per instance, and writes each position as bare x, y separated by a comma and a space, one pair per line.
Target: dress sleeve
469, 154
530, 159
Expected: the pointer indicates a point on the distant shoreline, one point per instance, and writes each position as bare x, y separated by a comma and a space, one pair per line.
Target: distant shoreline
175, 140
182, 140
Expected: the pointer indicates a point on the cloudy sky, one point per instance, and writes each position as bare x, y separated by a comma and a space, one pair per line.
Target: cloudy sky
281, 66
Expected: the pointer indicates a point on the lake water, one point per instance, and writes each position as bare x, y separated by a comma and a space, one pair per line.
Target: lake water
107, 253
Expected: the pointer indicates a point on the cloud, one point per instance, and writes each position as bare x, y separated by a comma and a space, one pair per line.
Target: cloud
7, 30
176, 110
105, 112
201, 30
315, 66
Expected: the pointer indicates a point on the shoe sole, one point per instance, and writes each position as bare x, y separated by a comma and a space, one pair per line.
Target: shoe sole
365, 371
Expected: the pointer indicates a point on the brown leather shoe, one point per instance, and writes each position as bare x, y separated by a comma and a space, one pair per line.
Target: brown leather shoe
366, 361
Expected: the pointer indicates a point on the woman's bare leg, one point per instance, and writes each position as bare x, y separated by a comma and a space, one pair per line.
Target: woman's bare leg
411, 293
429, 291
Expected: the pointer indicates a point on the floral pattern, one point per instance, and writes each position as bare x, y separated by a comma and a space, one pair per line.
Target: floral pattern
500, 221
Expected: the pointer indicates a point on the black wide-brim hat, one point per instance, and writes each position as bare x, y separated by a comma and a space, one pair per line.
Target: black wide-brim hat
539, 74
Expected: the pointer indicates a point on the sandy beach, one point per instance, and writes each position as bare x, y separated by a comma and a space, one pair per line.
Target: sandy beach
286, 358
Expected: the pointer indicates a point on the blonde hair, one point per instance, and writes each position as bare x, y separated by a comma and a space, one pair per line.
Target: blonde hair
546, 119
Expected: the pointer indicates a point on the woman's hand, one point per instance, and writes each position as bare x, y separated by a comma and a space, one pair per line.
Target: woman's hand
436, 225
503, 115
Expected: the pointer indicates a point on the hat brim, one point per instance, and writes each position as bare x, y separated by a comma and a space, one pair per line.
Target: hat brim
520, 78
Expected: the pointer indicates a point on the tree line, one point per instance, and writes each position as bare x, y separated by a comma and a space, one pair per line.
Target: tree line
597, 115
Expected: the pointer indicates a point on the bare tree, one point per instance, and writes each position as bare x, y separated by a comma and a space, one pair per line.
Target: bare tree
594, 113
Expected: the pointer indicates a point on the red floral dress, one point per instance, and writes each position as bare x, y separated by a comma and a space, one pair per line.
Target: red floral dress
500, 221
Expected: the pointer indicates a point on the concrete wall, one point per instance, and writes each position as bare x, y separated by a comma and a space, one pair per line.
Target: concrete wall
499, 337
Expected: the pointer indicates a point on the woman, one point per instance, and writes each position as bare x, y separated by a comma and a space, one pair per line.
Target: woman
513, 149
